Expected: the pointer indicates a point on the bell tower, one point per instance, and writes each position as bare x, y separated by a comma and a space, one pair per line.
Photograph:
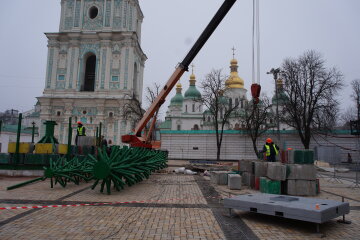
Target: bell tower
94, 62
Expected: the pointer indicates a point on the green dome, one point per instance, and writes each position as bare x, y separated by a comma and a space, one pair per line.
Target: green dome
283, 98
177, 100
192, 93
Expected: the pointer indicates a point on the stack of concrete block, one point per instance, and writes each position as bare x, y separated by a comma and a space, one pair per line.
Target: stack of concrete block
246, 166
234, 181
301, 188
247, 169
260, 169
301, 180
276, 171
219, 177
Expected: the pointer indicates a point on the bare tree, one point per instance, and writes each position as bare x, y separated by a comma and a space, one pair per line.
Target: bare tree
312, 91
254, 118
132, 109
218, 105
348, 115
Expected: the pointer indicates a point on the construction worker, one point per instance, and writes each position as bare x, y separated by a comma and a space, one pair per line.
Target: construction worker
80, 131
271, 150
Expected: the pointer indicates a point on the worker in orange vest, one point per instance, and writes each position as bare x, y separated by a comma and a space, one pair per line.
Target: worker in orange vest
271, 150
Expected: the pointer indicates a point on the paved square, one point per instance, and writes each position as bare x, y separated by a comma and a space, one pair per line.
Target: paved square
169, 206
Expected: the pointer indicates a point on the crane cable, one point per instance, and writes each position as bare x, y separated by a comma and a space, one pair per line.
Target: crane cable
255, 87
256, 43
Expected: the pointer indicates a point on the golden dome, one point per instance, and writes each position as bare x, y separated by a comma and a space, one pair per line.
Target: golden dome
178, 85
234, 81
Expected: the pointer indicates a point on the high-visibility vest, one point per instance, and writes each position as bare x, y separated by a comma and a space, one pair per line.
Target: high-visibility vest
80, 131
268, 150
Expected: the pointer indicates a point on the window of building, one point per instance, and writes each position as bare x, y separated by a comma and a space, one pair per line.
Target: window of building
196, 127
93, 12
58, 113
242, 103
209, 119
230, 103
90, 71
111, 114
193, 107
115, 78
178, 127
61, 77
185, 108
236, 102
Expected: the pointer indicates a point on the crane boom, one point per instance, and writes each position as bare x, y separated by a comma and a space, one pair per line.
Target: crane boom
136, 140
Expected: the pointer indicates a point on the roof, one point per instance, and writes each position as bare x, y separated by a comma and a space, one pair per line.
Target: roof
192, 93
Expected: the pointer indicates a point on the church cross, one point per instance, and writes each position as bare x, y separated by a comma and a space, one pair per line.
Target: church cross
192, 68
233, 49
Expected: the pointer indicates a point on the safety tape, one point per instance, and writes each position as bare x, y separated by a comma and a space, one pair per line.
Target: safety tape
102, 203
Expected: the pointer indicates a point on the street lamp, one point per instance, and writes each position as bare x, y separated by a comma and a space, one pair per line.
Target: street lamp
275, 73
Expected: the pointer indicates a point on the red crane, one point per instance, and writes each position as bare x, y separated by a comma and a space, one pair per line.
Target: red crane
137, 140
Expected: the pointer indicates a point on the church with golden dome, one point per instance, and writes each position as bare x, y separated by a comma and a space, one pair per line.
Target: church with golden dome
186, 112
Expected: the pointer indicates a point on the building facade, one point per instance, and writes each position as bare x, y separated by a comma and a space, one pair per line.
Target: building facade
95, 63
186, 112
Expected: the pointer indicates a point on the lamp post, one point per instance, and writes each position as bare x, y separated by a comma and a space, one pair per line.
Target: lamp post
275, 73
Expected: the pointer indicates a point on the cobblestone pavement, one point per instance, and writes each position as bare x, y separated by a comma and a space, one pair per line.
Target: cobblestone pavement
181, 207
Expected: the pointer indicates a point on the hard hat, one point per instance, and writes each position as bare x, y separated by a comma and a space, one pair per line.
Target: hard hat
79, 122
268, 140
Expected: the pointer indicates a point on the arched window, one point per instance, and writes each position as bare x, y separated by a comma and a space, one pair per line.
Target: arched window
230, 103
236, 102
178, 127
242, 103
111, 114
193, 107
196, 127
237, 126
185, 108
209, 119
89, 77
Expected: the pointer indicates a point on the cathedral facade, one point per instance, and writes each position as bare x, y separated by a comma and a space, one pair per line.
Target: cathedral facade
95, 63
186, 112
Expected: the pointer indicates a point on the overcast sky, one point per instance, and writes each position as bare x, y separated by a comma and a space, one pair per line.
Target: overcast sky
288, 28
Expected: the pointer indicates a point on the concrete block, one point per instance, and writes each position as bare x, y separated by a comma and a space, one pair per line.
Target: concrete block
301, 172
219, 177
246, 166
23, 147
248, 179
234, 181
276, 171
260, 169
44, 148
62, 149
300, 208
301, 187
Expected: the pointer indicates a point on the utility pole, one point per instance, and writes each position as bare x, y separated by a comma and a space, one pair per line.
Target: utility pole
275, 73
